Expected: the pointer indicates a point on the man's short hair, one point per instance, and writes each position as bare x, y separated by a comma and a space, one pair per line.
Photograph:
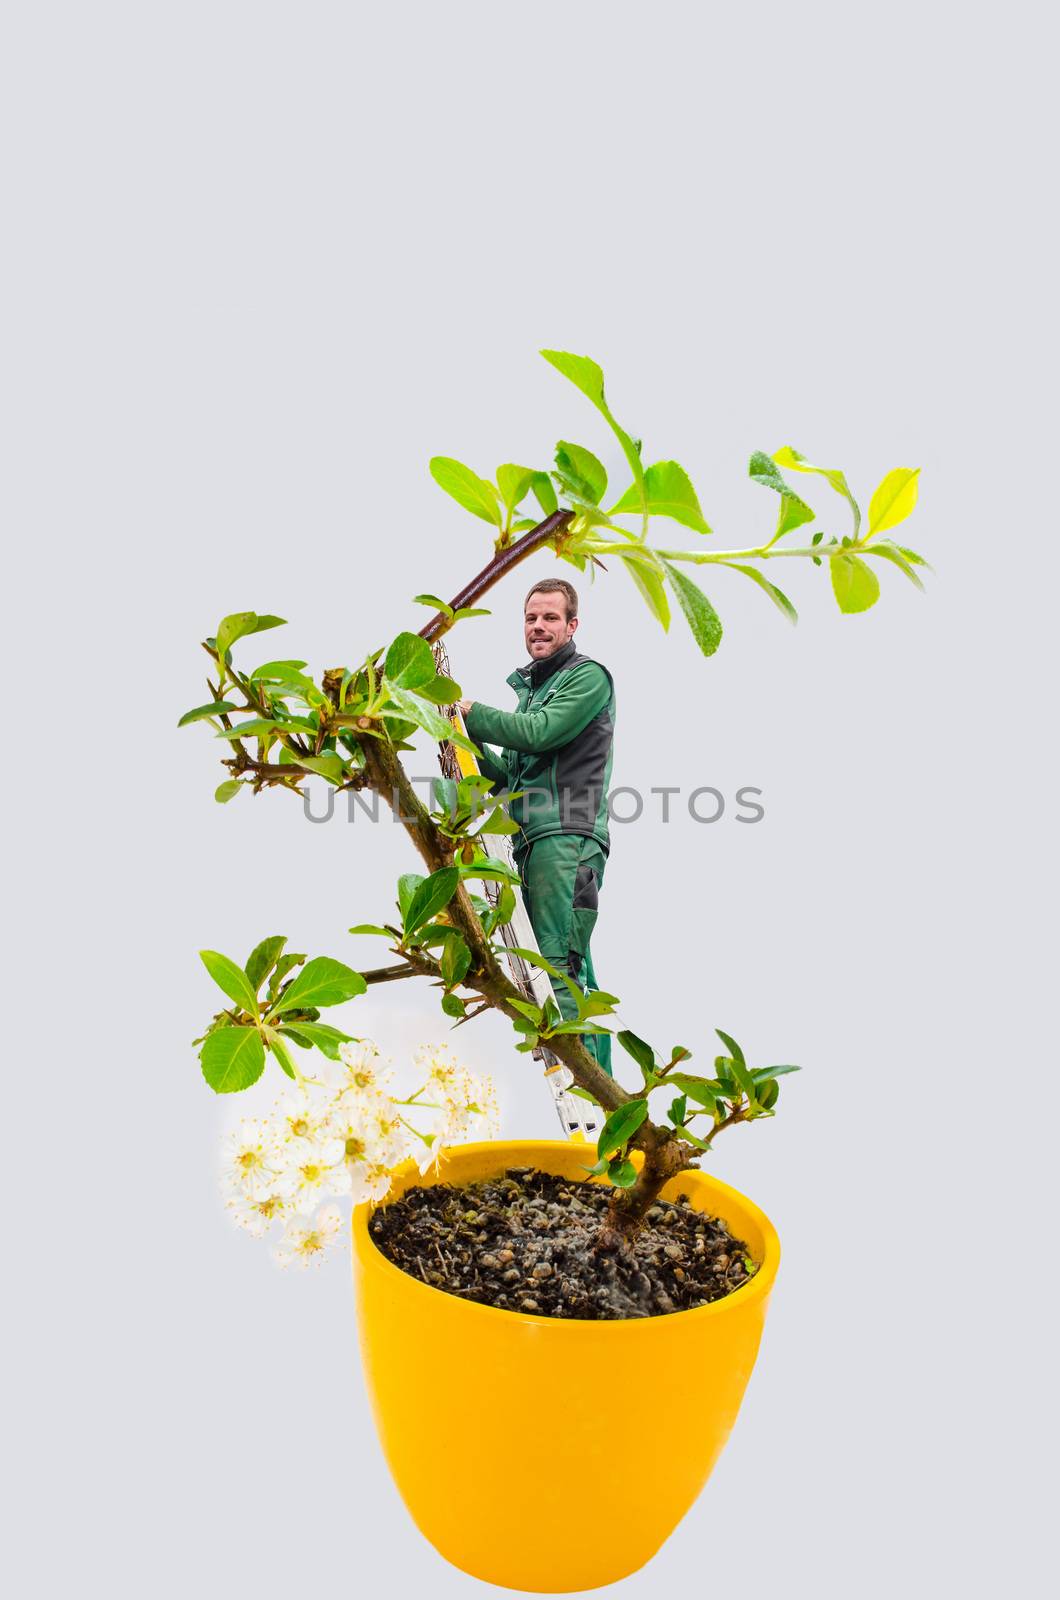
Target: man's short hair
556, 586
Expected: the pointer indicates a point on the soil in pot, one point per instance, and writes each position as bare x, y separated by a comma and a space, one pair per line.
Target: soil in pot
524, 1242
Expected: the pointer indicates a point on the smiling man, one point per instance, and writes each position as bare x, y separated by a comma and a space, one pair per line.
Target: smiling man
556, 749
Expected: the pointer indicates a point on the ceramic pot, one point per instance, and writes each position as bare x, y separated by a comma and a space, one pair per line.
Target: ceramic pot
495, 1423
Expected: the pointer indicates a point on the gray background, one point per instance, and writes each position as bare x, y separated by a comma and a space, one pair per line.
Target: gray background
262, 261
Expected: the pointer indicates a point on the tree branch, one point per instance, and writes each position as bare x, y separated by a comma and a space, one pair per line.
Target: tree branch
391, 974
502, 563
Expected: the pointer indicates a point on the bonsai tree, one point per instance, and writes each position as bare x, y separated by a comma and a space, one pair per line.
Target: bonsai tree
352, 725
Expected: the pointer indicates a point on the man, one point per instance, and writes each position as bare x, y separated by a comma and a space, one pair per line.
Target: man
556, 750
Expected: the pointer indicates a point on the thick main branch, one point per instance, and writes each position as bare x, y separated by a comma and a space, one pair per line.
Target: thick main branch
485, 976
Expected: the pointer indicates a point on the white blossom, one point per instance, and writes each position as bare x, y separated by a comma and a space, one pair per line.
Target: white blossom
460, 1096
488, 1108
257, 1216
318, 1170
366, 1072
305, 1242
370, 1181
389, 1139
354, 1121
300, 1116
250, 1160
345, 1135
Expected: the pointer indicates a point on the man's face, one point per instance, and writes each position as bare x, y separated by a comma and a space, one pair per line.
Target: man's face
545, 623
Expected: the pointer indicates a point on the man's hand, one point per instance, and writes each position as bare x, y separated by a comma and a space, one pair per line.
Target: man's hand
465, 706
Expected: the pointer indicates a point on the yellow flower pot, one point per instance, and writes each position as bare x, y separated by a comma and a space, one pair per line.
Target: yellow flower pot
528, 1449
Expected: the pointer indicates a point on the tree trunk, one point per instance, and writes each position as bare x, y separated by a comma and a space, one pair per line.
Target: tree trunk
665, 1155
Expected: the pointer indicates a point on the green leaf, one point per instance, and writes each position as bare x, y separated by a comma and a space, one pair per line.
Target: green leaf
642, 1052
434, 602
700, 614
263, 958
514, 484
283, 1055
678, 1110
544, 493
453, 1006
430, 897
227, 791
723, 1068
489, 870
214, 709
535, 959
622, 1173
285, 965
670, 494
527, 1008
263, 623
778, 597
854, 584
466, 488
579, 1026
893, 500
585, 474
300, 685
455, 960
550, 1013
793, 511
445, 792
321, 982
738, 1064
409, 661
763, 1074
697, 1089
239, 624
441, 691
276, 670
589, 378
790, 457
646, 576
424, 715
768, 1094
407, 885
231, 979
471, 611
329, 765
269, 728
597, 1003
299, 1039
326, 1038
371, 927
891, 552
505, 908
620, 1126
255, 728
232, 1059
731, 1046
582, 371
498, 822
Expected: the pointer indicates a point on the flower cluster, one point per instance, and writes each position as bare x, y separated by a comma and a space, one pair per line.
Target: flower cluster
345, 1137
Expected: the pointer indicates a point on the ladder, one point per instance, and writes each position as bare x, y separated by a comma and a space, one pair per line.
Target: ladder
580, 1119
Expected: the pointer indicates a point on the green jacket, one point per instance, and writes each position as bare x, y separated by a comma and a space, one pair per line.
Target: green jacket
556, 748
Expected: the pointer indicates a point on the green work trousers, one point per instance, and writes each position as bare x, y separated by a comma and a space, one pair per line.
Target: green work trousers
562, 874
